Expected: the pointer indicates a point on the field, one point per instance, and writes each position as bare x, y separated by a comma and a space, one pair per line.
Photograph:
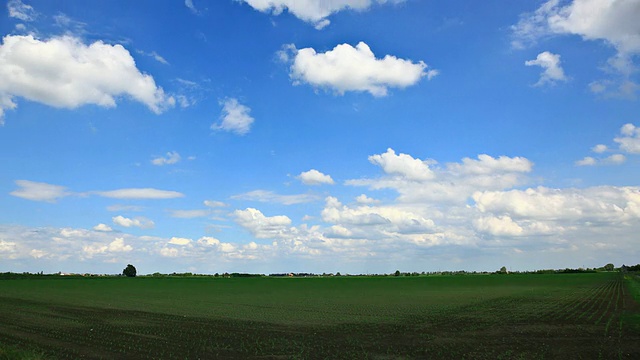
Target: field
551, 316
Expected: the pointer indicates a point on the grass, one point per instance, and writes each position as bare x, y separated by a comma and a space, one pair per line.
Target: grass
472, 316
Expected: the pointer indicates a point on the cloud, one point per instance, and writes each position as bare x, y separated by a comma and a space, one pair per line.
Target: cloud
234, 118
270, 196
312, 11
39, 191
189, 4
63, 72
314, 177
171, 158
613, 22
630, 140
139, 222
139, 193
552, 70
213, 203
402, 165
19, 10
262, 226
179, 241
102, 227
364, 199
348, 68
597, 204
599, 149
586, 161
424, 181
116, 246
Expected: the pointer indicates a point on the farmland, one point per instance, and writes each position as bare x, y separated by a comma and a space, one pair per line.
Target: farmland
541, 316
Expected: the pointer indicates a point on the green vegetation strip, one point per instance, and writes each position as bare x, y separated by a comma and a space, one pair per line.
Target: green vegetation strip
471, 316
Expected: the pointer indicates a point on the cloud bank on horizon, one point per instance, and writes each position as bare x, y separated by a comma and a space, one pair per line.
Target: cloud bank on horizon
303, 140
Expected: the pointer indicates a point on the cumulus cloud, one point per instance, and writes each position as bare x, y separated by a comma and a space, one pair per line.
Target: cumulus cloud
403, 165
102, 227
629, 141
116, 246
64, 72
614, 22
261, 226
364, 199
235, 117
179, 241
552, 71
315, 177
312, 11
172, 158
39, 191
270, 196
139, 222
348, 68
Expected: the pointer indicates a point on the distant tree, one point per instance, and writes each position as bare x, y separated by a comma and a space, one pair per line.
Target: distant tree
503, 270
609, 267
397, 273
129, 271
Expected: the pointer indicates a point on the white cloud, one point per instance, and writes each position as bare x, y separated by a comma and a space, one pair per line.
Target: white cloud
38, 191
587, 161
179, 241
602, 204
552, 71
630, 140
486, 165
234, 118
615, 159
261, 226
140, 222
189, 4
102, 227
364, 199
116, 246
403, 165
348, 68
19, 10
599, 149
315, 177
270, 196
499, 226
139, 193
614, 22
171, 158
214, 203
312, 11
63, 72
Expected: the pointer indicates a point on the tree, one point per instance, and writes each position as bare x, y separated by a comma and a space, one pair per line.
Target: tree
609, 267
503, 270
129, 271
397, 273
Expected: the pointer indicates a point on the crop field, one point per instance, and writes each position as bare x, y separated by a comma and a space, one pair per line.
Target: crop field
551, 316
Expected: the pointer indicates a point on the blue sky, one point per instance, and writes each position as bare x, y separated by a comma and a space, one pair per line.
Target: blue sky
307, 136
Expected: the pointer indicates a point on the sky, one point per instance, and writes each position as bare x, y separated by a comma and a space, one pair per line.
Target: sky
352, 136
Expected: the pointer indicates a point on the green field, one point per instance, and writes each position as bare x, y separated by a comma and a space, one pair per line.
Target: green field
551, 316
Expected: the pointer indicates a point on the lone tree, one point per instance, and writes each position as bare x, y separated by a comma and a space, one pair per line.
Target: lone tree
503, 270
609, 267
129, 271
